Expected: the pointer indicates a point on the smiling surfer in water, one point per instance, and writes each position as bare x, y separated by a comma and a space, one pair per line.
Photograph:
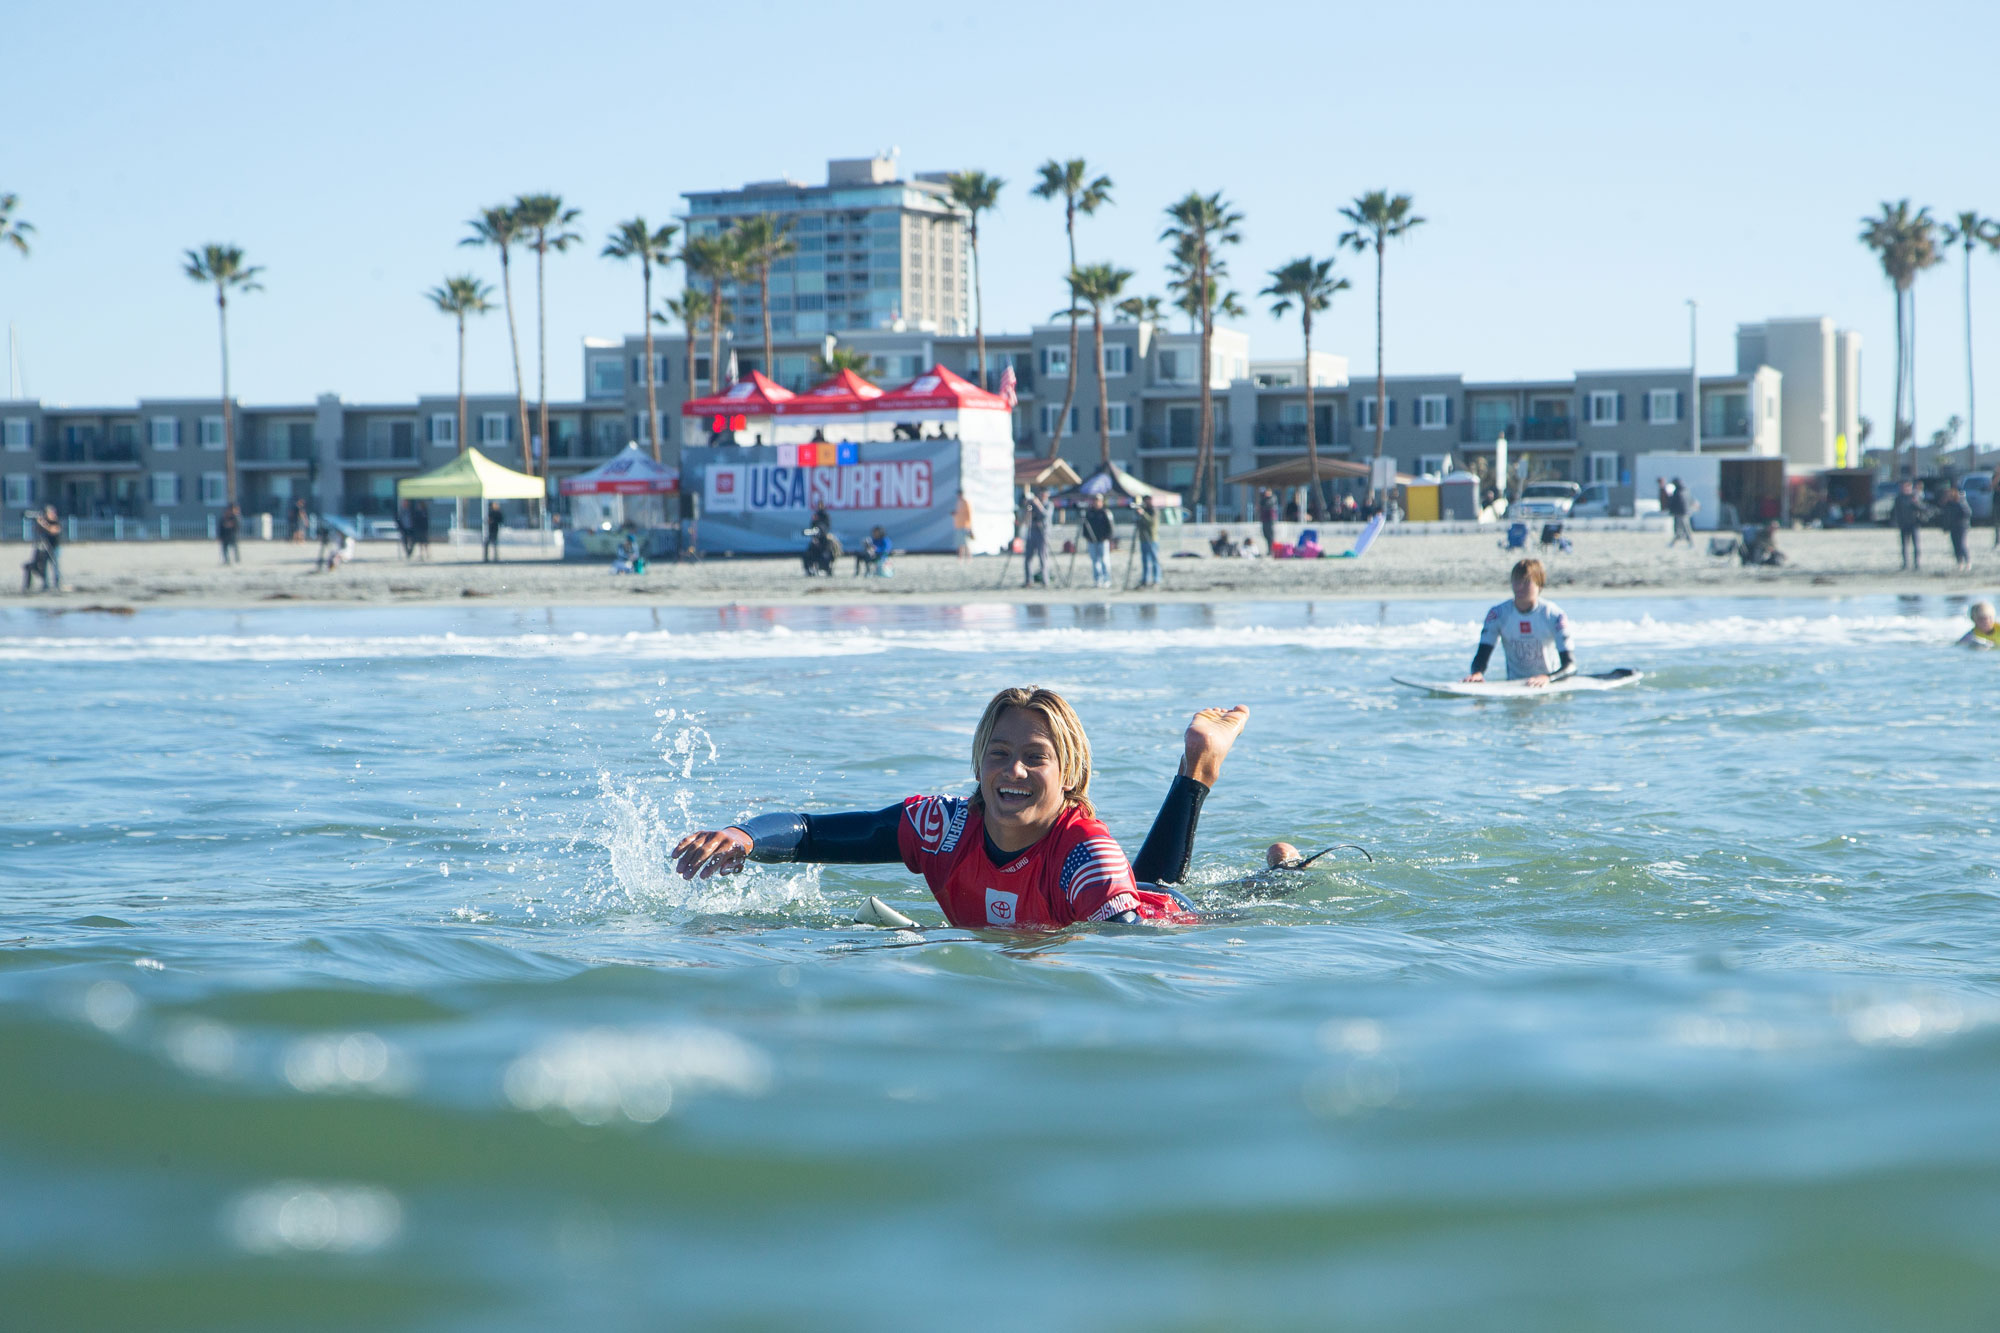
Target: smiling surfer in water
1533, 633
1025, 850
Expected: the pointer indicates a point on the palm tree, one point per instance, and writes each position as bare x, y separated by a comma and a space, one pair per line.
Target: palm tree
843, 358
1967, 230
1197, 225
633, 239
223, 265
459, 297
1906, 243
1309, 284
14, 231
976, 192
1142, 309
713, 260
544, 221
690, 308
762, 241
1080, 193
1377, 218
1095, 285
498, 227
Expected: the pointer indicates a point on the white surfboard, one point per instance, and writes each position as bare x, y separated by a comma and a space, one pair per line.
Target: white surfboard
1520, 689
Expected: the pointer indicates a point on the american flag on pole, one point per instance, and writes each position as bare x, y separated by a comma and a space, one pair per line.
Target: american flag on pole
1010, 392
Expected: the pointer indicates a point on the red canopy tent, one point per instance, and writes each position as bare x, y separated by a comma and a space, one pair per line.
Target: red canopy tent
935, 391
846, 394
632, 472
751, 396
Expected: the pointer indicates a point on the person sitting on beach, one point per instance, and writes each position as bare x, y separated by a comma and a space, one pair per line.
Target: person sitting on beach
873, 556
1026, 851
1761, 548
1985, 632
627, 559
1533, 633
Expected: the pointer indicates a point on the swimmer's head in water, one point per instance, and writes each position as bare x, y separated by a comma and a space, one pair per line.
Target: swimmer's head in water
1278, 853
1982, 614
1053, 715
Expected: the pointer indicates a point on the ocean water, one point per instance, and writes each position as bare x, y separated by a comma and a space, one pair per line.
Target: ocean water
343, 985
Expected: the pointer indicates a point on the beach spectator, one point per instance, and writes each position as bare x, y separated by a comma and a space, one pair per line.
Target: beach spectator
341, 549
1035, 545
1956, 512
48, 536
1907, 513
405, 538
1267, 516
1292, 508
227, 529
961, 526
1762, 548
296, 528
420, 528
1681, 506
1984, 632
873, 556
1146, 531
1097, 533
490, 548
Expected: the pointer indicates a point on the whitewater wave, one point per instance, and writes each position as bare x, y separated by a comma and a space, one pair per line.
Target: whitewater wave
783, 643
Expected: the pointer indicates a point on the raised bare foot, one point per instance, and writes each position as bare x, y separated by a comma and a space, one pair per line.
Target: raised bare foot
1209, 737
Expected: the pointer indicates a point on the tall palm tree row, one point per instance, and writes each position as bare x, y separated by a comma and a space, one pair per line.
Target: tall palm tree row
1142, 309
713, 260
976, 193
1967, 230
690, 308
843, 358
633, 239
498, 228
1080, 192
1198, 225
223, 266
760, 242
1906, 243
1309, 284
1096, 285
458, 297
1375, 219
544, 224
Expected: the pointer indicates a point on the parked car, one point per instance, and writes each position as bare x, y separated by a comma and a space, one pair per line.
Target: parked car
1593, 502
1978, 488
1885, 500
1545, 500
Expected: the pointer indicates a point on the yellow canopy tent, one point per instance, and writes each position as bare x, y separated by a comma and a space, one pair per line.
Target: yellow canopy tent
472, 476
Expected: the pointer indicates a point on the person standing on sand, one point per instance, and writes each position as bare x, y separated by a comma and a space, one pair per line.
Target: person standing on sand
492, 543
227, 529
1267, 516
1907, 513
1035, 545
48, 547
1680, 505
1146, 531
297, 534
420, 527
1097, 532
1957, 514
961, 527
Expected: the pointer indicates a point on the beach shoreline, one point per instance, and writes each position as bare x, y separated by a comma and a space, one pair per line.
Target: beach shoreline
1848, 562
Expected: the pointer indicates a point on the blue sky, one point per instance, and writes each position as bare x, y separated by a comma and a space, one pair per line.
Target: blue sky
1584, 167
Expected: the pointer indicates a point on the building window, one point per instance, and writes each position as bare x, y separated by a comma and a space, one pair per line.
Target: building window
1601, 467
1055, 362
607, 377
1431, 465
20, 491
1434, 411
214, 489
1049, 415
1291, 414
18, 433
164, 433
1364, 414
211, 432
164, 488
611, 434
701, 369
444, 428
495, 427
1117, 359
1118, 418
1601, 407
1663, 408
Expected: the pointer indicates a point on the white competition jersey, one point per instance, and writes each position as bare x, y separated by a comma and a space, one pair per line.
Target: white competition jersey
1534, 641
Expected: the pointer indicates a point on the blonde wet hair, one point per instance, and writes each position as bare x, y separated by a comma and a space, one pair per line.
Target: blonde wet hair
1972, 612
1065, 729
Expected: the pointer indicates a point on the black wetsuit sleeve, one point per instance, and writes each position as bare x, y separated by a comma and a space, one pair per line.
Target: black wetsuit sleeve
1567, 669
1480, 657
858, 837
1163, 857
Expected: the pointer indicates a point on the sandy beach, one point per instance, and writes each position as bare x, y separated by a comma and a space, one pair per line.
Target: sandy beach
138, 574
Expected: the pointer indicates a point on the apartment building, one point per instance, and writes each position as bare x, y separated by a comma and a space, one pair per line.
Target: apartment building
874, 251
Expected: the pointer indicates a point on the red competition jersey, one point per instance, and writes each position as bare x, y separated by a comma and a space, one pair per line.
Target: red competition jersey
1075, 873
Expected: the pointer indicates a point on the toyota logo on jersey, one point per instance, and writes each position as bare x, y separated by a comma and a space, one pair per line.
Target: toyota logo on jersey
1000, 907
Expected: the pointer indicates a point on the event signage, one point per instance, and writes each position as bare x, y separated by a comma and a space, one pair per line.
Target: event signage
769, 487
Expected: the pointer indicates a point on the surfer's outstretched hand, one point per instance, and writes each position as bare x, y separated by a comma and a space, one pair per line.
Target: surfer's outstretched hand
720, 852
1209, 737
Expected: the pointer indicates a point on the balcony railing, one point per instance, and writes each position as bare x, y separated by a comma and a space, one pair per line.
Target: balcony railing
378, 451
1534, 430
581, 446
273, 451
89, 451
1733, 426
1153, 437
1292, 435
